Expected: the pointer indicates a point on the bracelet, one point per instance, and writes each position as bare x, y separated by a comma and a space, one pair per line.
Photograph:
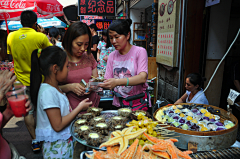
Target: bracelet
127, 82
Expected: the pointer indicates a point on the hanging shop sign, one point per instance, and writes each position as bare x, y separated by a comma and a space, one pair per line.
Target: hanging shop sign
96, 7
89, 19
211, 2
102, 24
167, 32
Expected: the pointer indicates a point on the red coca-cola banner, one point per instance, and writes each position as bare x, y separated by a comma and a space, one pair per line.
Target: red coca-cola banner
16, 5
49, 7
43, 6
96, 7
16, 15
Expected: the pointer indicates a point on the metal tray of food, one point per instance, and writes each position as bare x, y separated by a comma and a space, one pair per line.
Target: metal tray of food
83, 156
107, 114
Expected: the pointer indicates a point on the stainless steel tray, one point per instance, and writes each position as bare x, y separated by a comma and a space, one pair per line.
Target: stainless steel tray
107, 114
83, 156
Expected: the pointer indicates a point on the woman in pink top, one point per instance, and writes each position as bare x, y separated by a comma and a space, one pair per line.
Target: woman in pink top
82, 65
127, 67
6, 81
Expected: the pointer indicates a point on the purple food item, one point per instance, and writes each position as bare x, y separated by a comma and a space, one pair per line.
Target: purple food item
220, 128
212, 120
176, 117
199, 113
188, 123
182, 120
170, 112
206, 118
194, 110
219, 124
195, 127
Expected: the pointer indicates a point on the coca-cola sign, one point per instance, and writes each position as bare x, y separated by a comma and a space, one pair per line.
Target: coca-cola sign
3, 17
53, 8
13, 4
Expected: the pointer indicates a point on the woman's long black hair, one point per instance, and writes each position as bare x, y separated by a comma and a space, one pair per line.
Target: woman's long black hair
41, 66
105, 33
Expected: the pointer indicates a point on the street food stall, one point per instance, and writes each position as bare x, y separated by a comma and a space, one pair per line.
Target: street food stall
206, 130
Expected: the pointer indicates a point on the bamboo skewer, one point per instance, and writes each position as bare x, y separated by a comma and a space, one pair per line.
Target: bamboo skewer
94, 77
169, 137
162, 127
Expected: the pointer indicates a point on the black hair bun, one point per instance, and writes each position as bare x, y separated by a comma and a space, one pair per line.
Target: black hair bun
129, 21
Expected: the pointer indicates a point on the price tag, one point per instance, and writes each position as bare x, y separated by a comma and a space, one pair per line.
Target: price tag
232, 96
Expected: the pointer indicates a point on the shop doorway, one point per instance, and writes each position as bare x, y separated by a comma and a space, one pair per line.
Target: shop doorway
232, 60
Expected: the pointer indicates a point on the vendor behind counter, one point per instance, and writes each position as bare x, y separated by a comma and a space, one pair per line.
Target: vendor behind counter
194, 92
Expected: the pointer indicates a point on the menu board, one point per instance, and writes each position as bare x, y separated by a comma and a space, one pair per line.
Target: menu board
96, 7
167, 32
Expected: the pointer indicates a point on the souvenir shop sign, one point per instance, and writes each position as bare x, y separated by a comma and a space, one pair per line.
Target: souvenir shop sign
167, 32
96, 7
102, 24
89, 19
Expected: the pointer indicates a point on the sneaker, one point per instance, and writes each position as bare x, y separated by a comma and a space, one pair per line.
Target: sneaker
36, 146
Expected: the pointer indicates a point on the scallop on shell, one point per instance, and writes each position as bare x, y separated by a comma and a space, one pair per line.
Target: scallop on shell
94, 138
83, 130
125, 112
96, 120
95, 111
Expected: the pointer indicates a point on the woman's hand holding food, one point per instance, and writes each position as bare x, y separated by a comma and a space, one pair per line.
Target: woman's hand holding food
109, 83
78, 89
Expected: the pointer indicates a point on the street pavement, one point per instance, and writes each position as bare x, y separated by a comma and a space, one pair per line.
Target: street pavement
15, 132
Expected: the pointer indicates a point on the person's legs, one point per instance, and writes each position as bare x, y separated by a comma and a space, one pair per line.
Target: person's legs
30, 124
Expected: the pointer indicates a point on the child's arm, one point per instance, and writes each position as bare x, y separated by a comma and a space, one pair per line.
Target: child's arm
59, 122
98, 55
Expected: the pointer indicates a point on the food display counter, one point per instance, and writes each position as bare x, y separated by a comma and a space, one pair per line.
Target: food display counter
147, 138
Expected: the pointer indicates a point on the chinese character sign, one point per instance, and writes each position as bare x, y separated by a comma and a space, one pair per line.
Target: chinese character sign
103, 24
88, 22
96, 7
167, 32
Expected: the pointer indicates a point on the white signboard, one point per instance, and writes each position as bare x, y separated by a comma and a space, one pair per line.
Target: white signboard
232, 96
211, 2
167, 32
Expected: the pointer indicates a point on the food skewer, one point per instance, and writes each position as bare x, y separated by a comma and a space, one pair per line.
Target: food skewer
94, 77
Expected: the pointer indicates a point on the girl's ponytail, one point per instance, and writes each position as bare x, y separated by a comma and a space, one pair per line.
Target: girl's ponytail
53, 40
35, 76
